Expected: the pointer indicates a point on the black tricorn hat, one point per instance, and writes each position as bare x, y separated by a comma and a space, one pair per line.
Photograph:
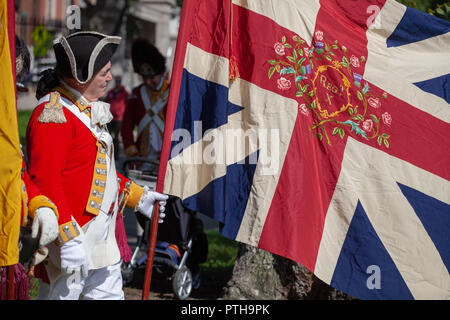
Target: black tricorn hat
82, 54
147, 60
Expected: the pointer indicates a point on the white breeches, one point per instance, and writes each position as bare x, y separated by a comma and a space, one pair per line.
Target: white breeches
100, 284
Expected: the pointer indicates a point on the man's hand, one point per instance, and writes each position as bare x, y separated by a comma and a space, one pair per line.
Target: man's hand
148, 198
73, 256
45, 224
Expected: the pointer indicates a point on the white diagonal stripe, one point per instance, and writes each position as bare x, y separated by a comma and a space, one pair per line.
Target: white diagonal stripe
261, 112
395, 69
206, 65
371, 176
263, 109
298, 16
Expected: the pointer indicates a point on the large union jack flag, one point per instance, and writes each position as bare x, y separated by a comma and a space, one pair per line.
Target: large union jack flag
318, 130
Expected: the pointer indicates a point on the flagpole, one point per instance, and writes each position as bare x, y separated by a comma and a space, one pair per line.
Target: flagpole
151, 252
188, 14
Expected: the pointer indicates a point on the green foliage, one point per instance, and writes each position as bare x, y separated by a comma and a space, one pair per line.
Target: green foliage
438, 8
34, 289
23, 116
222, 251
42, 40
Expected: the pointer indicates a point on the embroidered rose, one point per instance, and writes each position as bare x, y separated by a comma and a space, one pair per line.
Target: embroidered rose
283, 84
374, 102
387, 118
319, 35
303, 109
279, 48
367, 125
354, 61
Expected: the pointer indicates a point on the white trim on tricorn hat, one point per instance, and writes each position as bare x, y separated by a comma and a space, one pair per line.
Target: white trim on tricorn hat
98, 48
70, 55
103, 40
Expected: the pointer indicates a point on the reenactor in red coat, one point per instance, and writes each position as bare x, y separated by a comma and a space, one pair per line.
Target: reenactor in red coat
38, 216
71, 159
146, 106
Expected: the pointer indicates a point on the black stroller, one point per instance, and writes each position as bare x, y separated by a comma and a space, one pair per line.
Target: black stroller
181, 242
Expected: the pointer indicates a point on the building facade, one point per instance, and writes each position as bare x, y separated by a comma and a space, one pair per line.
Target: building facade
153, 19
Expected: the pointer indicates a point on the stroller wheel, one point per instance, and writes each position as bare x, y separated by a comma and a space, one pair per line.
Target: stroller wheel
182, 283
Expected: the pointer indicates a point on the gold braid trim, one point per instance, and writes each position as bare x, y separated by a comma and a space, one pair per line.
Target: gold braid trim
38, 202
135, 195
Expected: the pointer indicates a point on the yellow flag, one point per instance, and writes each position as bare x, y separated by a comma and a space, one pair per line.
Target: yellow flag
10, 156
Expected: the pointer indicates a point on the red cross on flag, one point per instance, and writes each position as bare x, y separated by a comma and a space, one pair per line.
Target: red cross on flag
317, 130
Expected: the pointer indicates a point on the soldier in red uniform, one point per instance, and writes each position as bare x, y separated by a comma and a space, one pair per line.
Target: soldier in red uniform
71, 159
38, 213
146, 106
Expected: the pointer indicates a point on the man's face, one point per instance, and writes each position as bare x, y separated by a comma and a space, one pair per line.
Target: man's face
96, 87
153, 82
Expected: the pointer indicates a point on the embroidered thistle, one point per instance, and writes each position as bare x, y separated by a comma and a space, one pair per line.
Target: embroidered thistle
53, 111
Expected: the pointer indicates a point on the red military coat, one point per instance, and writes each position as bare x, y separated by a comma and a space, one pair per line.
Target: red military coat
134, 112
32, 199
61, 163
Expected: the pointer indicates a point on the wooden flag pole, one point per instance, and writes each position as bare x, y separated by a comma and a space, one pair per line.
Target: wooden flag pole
188, 14
151, 252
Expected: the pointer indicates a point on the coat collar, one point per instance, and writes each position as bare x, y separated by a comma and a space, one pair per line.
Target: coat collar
74, 95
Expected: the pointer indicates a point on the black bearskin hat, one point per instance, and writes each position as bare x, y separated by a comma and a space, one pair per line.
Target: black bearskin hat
82, 54
147, 60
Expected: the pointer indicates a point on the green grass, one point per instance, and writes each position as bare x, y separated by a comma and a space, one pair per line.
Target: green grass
23, 117
34, 289
221, 252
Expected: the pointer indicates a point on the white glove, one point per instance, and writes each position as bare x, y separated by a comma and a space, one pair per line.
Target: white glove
73, 256
45, 220
148, 198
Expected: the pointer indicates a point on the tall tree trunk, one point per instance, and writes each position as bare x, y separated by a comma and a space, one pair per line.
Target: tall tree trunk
258, 274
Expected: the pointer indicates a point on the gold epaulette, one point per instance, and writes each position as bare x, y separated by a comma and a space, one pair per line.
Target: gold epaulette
53, 111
